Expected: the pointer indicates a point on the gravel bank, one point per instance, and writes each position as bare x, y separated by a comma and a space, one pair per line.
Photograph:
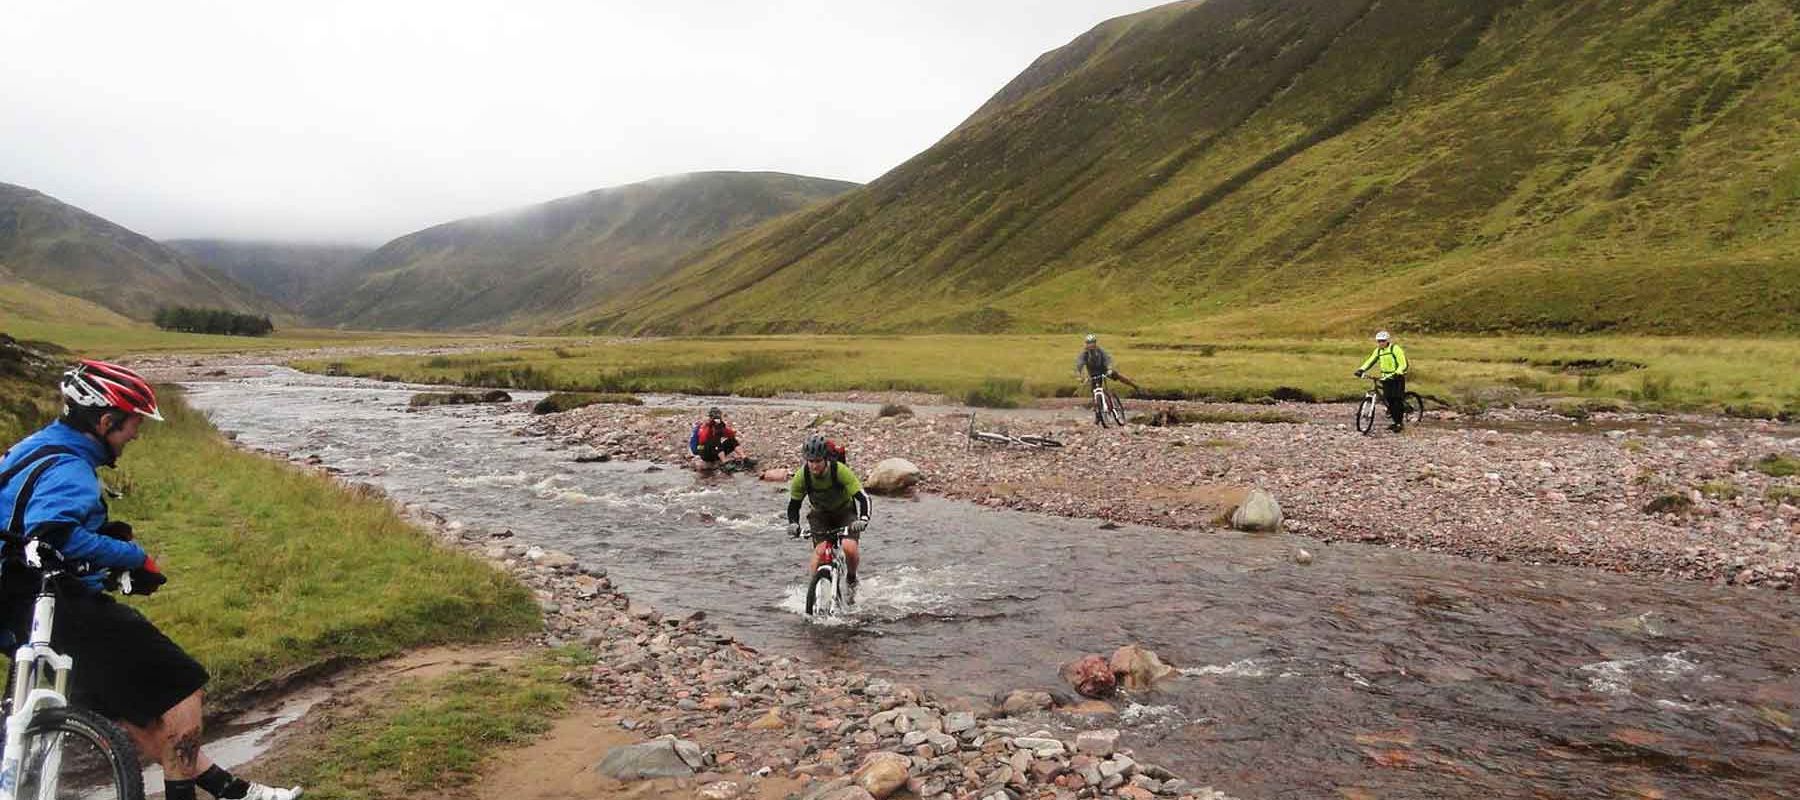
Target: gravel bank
1656, 495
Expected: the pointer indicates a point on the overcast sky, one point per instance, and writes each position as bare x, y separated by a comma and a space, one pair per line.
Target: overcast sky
361, 121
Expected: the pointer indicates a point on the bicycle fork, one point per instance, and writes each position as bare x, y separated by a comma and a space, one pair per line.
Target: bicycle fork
29, 698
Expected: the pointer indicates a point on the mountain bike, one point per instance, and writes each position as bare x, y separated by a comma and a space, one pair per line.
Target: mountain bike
53, 749
825, 590
1106, 403
1374, 403
1002, 437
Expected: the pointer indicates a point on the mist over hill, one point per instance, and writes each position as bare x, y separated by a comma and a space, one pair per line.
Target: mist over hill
527, 265
286, 272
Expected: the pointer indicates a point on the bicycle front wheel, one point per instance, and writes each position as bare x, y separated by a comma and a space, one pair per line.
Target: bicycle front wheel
1115, 408
1365, 414
75, 753
1415, 408
821, 594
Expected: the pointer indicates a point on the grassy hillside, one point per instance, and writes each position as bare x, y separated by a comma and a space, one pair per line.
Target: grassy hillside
286, 272
1296, 166
65, 249
533, 263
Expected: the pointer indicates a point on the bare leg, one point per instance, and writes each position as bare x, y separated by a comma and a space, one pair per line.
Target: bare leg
852, 553
173, 740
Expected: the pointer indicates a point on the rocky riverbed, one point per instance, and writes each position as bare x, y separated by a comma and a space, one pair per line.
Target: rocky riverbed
1660, 495
722, 716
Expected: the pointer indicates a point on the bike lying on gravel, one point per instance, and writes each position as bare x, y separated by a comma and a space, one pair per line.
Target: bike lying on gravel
1106, 403
53, 749
1375, 401
826, 590
1002, 437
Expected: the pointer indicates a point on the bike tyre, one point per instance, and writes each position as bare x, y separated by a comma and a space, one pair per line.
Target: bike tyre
1116, 408
990, 438
820, 579
1040, 441
1415, 408
1100, 414
1365, 415
104, 737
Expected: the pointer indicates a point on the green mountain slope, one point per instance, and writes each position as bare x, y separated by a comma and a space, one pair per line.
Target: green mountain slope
65, 249
1310, 165
532, 263
286, 272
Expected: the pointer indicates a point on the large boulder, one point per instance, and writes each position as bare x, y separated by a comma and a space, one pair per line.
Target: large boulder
1091, 676
1258, 512
883, 774
661, 758
1139, 668
892, 476
777, 475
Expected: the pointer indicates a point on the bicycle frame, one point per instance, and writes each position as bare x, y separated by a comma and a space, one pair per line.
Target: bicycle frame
1102, 401
835, 568
34, 665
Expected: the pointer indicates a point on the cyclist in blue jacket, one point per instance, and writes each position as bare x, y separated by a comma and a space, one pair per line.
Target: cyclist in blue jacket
129, 670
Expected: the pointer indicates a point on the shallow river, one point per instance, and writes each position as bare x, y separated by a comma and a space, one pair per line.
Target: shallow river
1370, 672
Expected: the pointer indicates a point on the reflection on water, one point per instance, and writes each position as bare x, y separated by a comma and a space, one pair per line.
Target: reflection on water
1403, 674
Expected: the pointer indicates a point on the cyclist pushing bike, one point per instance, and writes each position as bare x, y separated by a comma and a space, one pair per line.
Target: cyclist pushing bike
1095, 362
130, 671
1390, 358
838, 501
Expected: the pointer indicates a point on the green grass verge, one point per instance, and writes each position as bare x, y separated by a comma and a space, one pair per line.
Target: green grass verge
430, 735
1751, 377
273, 570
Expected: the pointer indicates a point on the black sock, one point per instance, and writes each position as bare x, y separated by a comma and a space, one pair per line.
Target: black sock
178, 790
222, 784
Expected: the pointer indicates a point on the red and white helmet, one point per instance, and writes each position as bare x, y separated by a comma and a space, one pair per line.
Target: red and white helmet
97, 384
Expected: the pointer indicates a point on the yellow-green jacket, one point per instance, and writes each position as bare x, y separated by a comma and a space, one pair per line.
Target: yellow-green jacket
1392, 360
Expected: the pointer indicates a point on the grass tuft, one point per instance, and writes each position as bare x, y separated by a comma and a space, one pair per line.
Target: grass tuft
996, 393
558, 402
1669, 504
1778, 465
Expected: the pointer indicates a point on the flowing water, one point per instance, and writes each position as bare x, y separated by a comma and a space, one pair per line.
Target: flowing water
1370, 672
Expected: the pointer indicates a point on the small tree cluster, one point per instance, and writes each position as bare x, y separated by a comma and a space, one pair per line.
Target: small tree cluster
213, 320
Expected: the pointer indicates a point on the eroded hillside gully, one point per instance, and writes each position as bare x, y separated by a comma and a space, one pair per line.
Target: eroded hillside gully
1366, 672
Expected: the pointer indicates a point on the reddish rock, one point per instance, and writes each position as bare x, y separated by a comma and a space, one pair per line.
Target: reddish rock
1091, 676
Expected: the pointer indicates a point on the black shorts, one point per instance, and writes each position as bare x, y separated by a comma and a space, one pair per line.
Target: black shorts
818, 521
124, 667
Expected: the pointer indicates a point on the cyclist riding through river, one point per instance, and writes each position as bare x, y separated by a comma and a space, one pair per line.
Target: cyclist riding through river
838, 501
130, 671
1391, 359
1095, 362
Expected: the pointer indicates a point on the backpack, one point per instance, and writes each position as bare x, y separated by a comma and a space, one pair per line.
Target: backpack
694, 439
16, 522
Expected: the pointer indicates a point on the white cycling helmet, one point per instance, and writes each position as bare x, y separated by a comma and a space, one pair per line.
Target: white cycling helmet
1381, 336
1092, 339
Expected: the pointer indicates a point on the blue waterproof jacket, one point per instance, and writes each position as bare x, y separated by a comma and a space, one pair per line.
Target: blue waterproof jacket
66, 508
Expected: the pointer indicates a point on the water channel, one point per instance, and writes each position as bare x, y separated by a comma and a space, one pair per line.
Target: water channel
1368, 673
